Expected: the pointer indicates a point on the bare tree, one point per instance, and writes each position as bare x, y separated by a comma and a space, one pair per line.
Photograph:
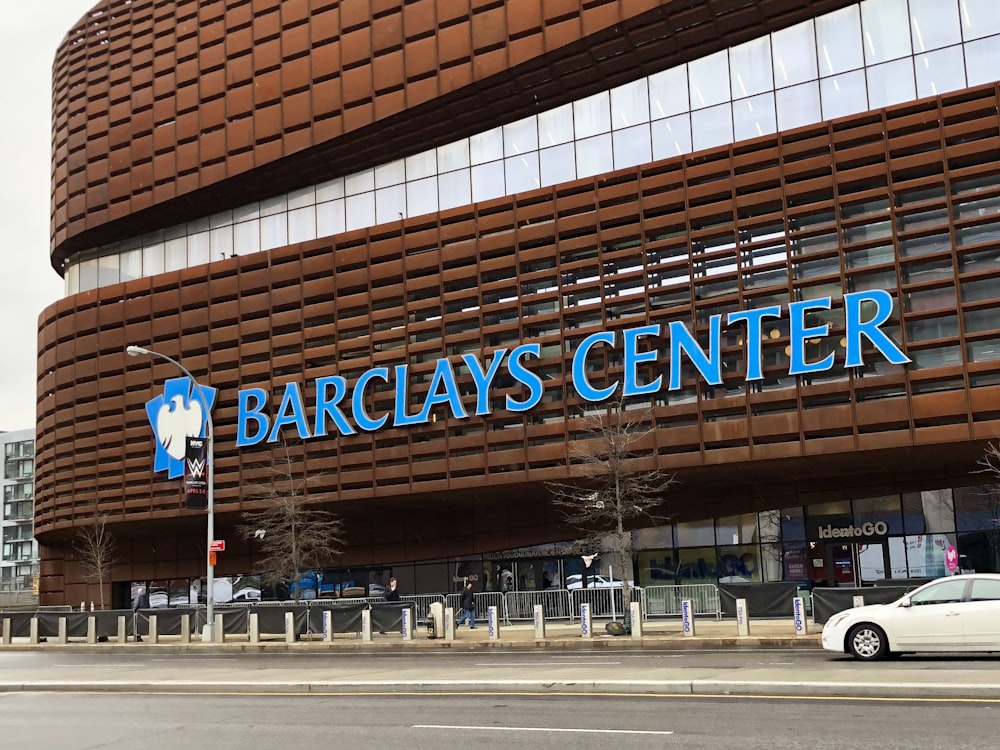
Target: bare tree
615, 488
97, 550
990, 463
292, 532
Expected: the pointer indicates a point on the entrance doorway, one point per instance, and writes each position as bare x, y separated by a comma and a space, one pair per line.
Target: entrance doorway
856, 563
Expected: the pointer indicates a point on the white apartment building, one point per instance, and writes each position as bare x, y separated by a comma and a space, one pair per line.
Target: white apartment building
19, 555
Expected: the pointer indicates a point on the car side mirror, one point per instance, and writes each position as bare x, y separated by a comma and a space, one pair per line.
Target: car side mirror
905, 602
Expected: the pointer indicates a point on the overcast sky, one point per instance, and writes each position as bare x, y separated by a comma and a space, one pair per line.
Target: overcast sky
29, 35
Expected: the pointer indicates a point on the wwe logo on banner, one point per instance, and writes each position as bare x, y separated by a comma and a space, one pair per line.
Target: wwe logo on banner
196, 473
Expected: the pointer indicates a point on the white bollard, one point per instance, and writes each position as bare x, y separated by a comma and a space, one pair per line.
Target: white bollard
91, 629
61, 631
289, 627
366, 624
742, 617
492, 623
33, 630
254, 628
586, 621
859, 601
406, 626
635, 618
185, 628
83, 606
799, 616
327, 626
6, 637
539, 622
687, 617
91, 606
449, 623
122, 636
154, 631
219, 631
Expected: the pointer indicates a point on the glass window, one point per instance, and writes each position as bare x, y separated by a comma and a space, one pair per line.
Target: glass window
695, 533
152, 264
630, 104
390, 204
592, 116
556, 126
979, 18
73, 279
934, 24
252, 210
891, 83
977, 507
712, 126
521, 172
422, 196
487, 181
246, 235
520, 137
389, 174
982, 60
200, 244
798, 105
739, 564
929, 511
420, 165
754, 117
296, 199
741, 529
671, 137
557, 164
359, 210
985, 590
175, 254
886, 30
277, 204
454, 189
327, 191
696, 565
794, 53
453, 156
945, 592
709, 80
668, 92
632, 146
130, 265
836, 513
593, 156
792, 524
107, 270
879, 509
301, 227
486, 147
220, 240
838, 38
750, 68
844, 95
940, 72
360, 182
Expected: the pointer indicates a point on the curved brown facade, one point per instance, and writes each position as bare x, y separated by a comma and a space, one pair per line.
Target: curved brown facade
209, 103
160, 107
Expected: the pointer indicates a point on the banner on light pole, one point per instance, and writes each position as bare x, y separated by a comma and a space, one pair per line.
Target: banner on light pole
196, 473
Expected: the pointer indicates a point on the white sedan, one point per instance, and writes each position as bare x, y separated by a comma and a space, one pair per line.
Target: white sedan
957, 613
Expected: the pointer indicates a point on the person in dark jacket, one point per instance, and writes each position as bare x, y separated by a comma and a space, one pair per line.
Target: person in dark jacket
468, 605
391, 594
139, 601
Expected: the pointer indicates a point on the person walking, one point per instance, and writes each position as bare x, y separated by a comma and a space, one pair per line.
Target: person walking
468, 605
139, 601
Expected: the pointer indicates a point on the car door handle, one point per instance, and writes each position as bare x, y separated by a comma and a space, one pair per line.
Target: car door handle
953, 614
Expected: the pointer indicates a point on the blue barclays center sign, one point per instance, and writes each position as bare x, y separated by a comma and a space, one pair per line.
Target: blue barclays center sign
255, 426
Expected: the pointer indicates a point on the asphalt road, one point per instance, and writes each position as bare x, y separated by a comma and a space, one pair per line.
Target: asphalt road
45, 721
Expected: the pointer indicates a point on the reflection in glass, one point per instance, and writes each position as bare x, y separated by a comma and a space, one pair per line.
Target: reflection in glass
668, 92
556, 126
593, 156
750, 68
979, 18
454, 189
886, 30
592, 115
632, 146
671, 137
712, 127
891, 83
754, 117
709, 80
487, 181
557, 164
520, 137
843, 95
485, 147
934, 24
630, 104
982, 60
794, 52
940, 72
797, 106
521, 173
838, 39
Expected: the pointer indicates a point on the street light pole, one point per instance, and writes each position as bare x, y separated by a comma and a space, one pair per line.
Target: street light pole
209, 632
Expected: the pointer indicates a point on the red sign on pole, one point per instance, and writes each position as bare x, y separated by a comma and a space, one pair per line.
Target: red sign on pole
211, 559
219, 545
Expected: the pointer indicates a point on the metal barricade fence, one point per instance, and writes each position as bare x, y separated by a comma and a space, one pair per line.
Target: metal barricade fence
666, 600
555, 603
602, 598
423, 603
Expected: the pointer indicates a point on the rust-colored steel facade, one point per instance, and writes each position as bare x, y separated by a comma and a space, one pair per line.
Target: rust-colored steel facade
437, 286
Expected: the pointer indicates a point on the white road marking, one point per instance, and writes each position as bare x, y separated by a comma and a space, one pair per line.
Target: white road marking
544, 664
465, 727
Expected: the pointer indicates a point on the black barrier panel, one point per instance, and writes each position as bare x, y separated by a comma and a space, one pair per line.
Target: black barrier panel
763, 599
388, 616
346, 617
20, 623
271, 620
48, 624
168, 621
234, 621
828, 602
107, 623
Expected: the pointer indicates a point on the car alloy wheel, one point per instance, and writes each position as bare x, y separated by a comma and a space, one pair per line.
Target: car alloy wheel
867, 642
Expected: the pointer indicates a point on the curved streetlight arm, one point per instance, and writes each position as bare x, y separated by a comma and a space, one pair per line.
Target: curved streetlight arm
135, 351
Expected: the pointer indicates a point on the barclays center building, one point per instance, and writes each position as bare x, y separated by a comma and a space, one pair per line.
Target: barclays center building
406, 247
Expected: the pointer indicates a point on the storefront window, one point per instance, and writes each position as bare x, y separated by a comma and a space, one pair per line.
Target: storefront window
739, 564
930, 511
741, 529
879, 509
836, 514
657, 568
696, 533
795, 562
977, 507
925, 555
696, 565
793, 525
